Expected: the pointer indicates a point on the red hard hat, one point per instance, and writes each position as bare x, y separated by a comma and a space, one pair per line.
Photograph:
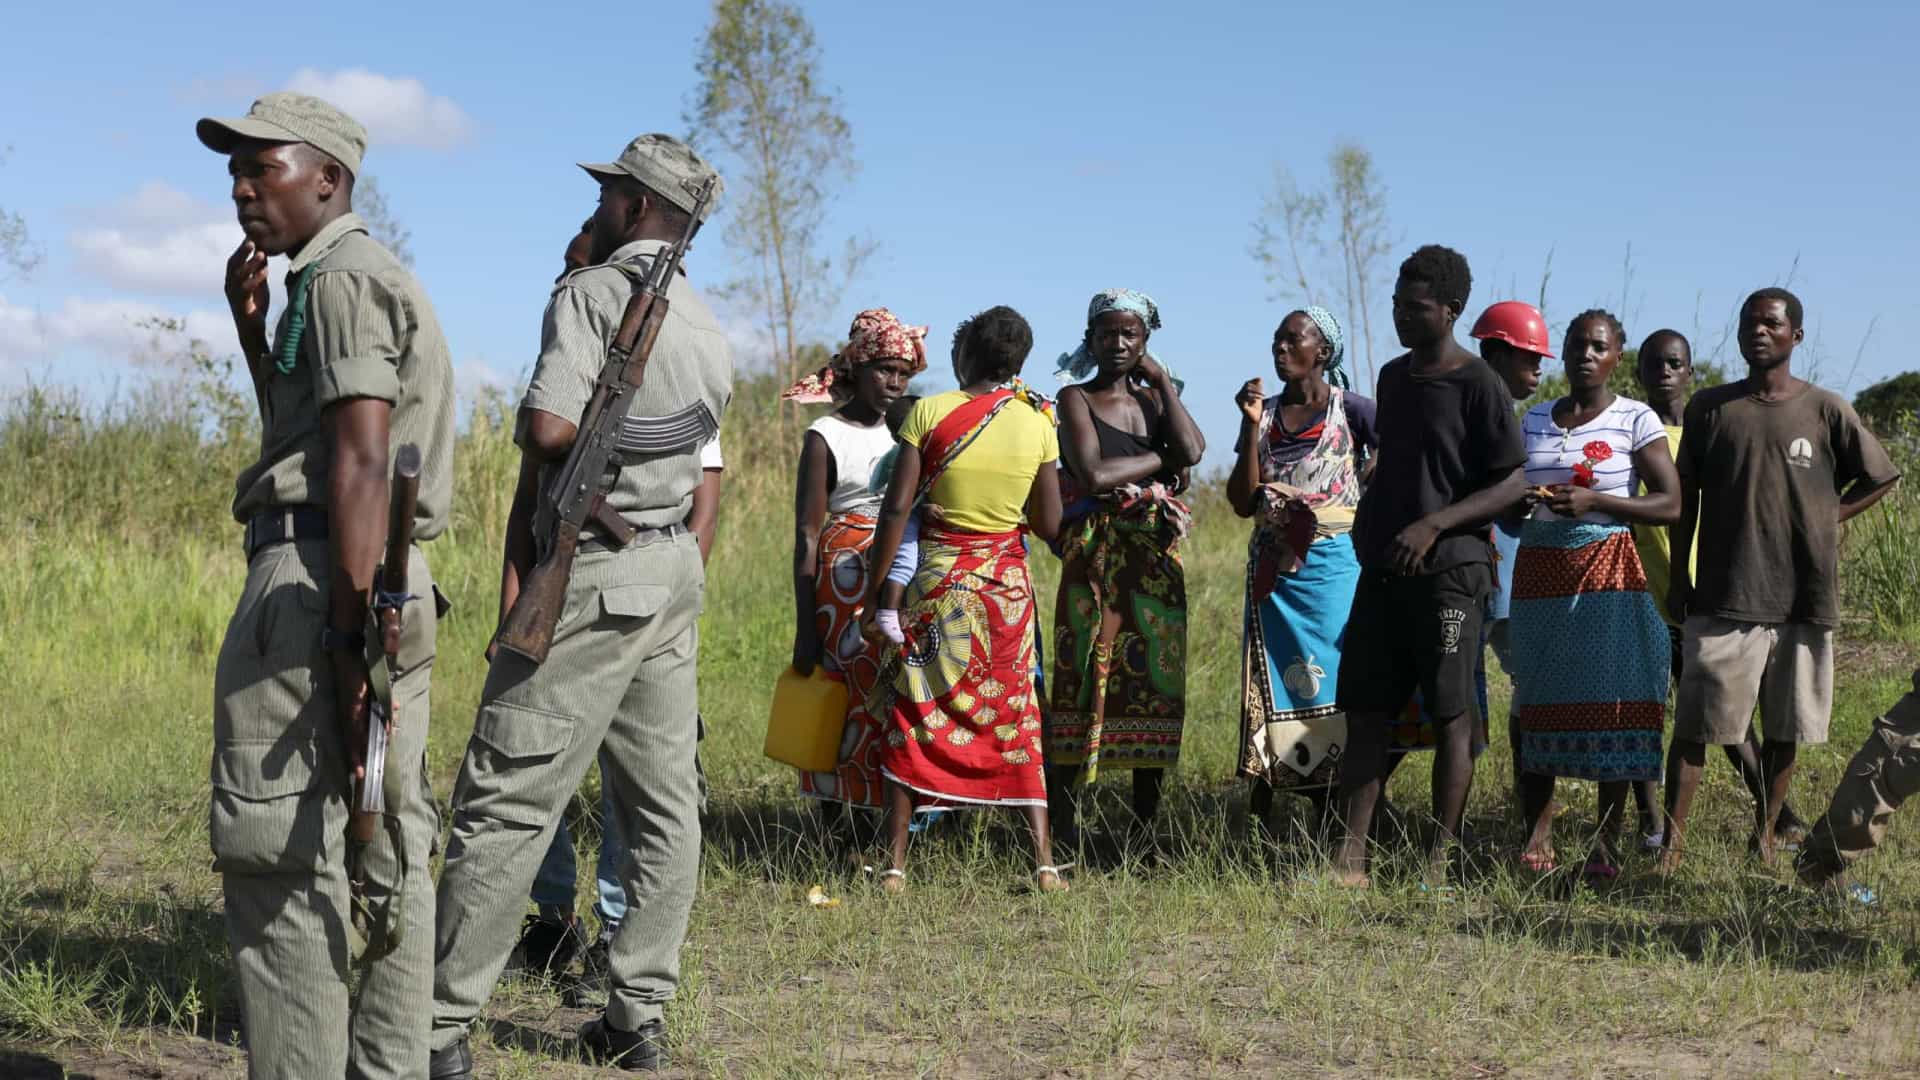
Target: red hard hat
1518, 324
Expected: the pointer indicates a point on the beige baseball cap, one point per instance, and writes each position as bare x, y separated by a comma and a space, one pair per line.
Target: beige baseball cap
288, 117
666, 166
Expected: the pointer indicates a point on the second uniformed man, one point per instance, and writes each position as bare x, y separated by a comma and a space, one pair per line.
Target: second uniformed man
619, 683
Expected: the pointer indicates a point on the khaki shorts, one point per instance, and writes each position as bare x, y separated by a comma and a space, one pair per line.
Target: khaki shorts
1730, 666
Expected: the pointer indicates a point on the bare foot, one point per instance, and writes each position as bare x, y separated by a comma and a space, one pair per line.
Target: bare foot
1352, 879
1763, 847
1669, 863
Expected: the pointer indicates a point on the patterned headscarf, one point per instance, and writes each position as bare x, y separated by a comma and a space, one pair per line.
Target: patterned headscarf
876, 334
1336, 337
1081, 362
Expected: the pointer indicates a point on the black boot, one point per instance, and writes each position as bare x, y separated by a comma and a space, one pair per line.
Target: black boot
453, 1063
588, 990
635, 1051
546, 948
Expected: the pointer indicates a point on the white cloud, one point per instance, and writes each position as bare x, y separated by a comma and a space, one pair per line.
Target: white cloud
395, 110
160, 240
117, 330
471, 378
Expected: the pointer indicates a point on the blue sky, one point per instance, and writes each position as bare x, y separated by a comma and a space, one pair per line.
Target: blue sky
1028, 154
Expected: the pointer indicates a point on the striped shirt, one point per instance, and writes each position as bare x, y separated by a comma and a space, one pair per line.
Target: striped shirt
690, 363
1553, 452
370, 333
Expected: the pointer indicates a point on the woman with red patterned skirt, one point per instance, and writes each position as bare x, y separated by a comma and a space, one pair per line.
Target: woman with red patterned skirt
1589, 646
957, 702
834, 518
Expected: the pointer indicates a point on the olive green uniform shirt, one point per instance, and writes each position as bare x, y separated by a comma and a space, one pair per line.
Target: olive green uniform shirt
690, 363
369, 333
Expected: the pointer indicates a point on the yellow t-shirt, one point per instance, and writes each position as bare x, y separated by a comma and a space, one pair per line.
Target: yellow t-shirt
1655, 545
985, 489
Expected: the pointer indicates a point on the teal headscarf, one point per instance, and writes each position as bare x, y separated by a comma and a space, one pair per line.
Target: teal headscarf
1080, 363
1336, 337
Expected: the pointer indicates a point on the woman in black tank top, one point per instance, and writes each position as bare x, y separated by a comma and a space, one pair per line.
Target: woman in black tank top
1119, 651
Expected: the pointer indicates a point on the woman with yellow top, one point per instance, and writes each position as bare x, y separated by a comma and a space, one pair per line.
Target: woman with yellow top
958, 702
1664, 370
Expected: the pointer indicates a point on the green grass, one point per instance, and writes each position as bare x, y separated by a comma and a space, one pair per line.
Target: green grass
1213, 956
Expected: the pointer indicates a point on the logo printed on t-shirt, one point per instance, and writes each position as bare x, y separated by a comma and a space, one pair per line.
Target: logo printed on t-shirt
1450, 620
1800, 454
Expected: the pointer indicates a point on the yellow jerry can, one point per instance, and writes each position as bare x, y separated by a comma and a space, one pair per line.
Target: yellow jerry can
809, 715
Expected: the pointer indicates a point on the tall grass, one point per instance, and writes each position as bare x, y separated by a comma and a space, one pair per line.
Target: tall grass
119, 565
1880, 551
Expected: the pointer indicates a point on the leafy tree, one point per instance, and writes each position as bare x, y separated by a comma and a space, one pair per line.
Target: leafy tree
1891, 405
761, 105
18, 255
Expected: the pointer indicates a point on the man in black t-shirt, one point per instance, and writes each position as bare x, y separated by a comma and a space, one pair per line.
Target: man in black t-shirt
1449, 462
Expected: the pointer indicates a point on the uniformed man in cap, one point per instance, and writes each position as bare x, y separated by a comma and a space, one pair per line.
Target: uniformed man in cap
356, 368
619, 682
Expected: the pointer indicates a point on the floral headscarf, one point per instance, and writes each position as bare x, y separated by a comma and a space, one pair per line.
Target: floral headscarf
1081, 363
876, 334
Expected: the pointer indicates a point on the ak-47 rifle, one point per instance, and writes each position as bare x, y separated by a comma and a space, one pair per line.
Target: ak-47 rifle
381, 929
578, 493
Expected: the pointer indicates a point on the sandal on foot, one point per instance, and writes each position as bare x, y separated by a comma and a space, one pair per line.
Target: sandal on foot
1050, 878
893, 881
1539, 862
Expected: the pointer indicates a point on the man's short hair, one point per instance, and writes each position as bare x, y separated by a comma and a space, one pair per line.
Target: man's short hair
1795, 315
1444, 270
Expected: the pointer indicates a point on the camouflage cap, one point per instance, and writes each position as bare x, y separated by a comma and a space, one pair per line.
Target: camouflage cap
666, 166
287, 117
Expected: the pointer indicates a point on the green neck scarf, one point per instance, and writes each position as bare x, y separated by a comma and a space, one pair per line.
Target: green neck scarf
289, 354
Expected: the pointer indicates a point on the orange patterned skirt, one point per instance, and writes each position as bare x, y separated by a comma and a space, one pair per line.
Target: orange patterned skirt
840, 587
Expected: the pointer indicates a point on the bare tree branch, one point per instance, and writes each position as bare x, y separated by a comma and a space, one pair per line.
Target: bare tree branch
1300, 216
370, 202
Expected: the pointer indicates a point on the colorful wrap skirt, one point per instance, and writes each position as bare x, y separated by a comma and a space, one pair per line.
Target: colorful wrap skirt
840, 587
959, 708
1292, 733
1118, 694
1592, 654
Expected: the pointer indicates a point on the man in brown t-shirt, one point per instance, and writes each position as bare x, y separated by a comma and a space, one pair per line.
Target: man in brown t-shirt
1769, 468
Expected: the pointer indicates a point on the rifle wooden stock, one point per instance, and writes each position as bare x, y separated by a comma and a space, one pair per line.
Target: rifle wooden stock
403, 496
528, 628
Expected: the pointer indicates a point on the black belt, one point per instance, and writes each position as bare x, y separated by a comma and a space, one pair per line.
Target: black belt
286, 523
641, 538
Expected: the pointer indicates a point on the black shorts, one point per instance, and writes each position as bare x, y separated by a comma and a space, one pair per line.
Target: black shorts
1415, 632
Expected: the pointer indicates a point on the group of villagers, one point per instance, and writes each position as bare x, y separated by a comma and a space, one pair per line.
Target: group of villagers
1392, 545
915, 519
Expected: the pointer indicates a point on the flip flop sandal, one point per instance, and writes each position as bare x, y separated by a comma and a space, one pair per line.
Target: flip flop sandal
893, 881
1539, 862
1059, 883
